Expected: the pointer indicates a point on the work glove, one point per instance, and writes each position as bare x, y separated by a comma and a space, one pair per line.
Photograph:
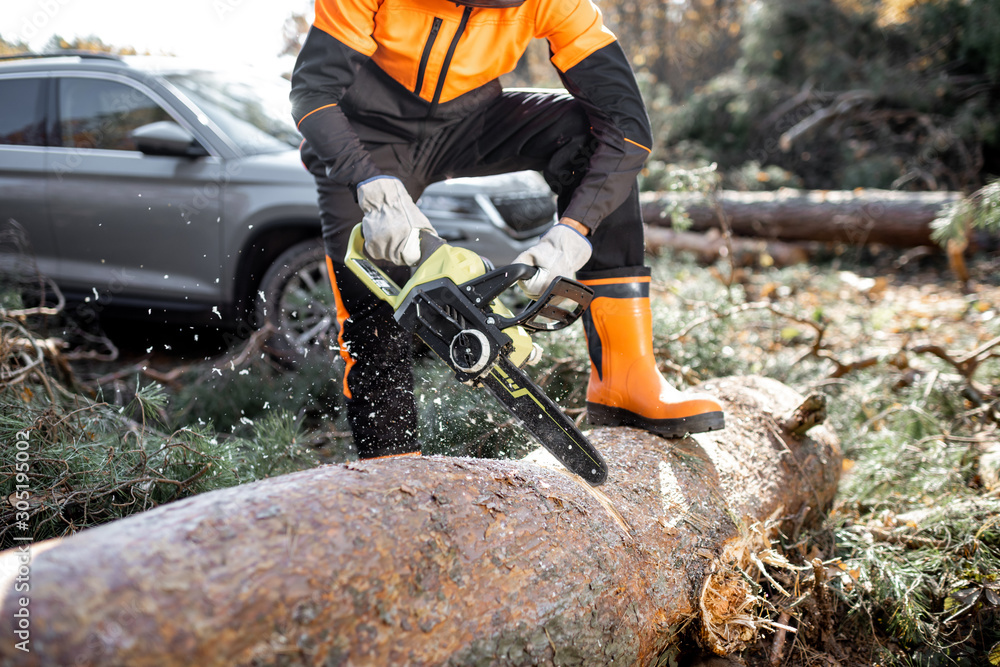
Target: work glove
392, 222
562, 251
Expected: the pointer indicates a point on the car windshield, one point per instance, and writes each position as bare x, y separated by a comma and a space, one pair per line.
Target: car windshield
253, 111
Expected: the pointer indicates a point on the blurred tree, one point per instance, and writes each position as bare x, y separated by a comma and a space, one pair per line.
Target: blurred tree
89, 43
680, 43
849, 93
10, 48
293, 31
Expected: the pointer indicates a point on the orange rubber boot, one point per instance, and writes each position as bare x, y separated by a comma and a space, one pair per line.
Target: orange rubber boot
626, 388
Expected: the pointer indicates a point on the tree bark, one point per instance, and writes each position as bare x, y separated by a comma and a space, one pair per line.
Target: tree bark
712, 245
433, 560
893, 218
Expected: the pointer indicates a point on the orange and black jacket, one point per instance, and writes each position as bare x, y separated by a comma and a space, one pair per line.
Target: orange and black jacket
413, 65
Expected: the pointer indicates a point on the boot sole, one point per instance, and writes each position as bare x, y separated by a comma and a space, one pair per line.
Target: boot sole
604, 415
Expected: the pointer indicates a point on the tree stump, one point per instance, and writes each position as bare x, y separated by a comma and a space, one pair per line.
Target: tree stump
435, 560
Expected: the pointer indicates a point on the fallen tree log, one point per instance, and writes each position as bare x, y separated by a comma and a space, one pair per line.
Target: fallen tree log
887, 217
437, 560
710, 246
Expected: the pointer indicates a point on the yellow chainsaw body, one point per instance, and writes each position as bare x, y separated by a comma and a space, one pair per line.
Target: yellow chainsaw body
459, 265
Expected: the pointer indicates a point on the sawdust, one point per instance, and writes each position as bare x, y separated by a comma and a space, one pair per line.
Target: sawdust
730, 602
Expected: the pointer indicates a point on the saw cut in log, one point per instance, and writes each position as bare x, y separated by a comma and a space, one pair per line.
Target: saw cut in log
438, 560
857, 217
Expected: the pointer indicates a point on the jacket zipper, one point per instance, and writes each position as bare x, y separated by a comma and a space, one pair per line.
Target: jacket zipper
451, 52
425, 56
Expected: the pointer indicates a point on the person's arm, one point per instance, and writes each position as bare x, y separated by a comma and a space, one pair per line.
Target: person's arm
338, 43
595, 70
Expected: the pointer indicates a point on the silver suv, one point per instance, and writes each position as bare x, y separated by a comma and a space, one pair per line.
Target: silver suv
176, 192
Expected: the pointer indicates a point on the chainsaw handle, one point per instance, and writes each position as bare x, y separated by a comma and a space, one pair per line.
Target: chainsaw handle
562, 303
494, 283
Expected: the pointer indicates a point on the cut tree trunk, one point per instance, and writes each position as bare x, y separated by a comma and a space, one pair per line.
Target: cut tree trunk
887, 217
436, 560
712, 245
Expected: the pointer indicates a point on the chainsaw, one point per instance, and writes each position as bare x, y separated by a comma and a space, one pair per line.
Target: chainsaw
451, 303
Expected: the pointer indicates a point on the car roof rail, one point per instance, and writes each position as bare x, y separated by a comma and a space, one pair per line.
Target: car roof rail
97, 55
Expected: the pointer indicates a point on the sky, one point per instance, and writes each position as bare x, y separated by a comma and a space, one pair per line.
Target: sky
231, 31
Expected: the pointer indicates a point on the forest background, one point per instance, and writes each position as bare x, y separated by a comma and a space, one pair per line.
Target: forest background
815, 94
820, 94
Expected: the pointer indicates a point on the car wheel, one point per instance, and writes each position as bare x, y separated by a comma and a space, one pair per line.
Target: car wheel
295, 296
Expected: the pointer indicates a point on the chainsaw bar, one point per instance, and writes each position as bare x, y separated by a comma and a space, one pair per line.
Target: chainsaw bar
453, 306
545, 421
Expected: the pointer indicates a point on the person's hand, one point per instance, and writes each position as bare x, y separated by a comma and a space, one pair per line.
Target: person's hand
392, 222
562, 251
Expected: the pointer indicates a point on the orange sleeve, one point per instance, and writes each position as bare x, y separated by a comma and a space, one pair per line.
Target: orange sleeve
350, 21
574, 29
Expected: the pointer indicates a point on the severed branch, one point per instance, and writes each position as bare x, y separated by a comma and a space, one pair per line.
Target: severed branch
744, 307
966, 363
253, 345
778, 646
902, 539
709, 246
843, 105
40, 310
841, 369
812, 412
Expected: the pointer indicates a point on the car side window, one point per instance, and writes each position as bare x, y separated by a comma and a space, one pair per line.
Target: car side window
22, 119
97, 113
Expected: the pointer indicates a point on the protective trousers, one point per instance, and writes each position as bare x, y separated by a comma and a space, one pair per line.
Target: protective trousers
517, 130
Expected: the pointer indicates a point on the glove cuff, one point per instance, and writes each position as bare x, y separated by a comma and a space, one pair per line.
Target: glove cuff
572, 242
374, 178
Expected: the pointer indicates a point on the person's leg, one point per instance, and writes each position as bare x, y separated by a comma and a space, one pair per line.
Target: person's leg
378, 381
550, 133
626, 387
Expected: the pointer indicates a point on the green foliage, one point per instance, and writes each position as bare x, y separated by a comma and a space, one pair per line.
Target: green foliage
662, 177
922, 87
975, 23
752, 176
792, 41
912, 528
11, 300
89, 463
722, 117
232, 398
876, 171
981, 210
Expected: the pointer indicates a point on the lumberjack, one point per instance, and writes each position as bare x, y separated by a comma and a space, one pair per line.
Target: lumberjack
392, 95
